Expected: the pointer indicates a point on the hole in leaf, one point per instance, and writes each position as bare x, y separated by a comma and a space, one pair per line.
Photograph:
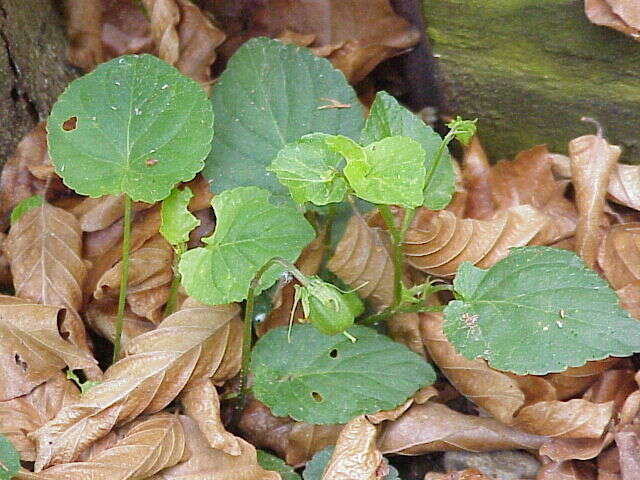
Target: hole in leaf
21, 363
70, 124
62, 314
316, 396
333, 353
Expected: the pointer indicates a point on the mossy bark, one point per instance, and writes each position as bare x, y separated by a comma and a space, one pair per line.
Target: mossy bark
530, 69
33, 67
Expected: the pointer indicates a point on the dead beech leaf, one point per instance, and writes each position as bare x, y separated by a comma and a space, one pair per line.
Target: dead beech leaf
467, 474
6, 280
355, 35
440, 244
184, 37
44, 250
629, 296
356, 456
362, 261
185, 348
29, 337
475, 172
104, 248
84, 28
592, 162
529, 180
629, 453
432, 427
23, 415
205, 463
624, 185
622, 15
576, 380
150, 273
571, 470
101, 317
98, 213
148, 446
17, 181
296, 442
619, 253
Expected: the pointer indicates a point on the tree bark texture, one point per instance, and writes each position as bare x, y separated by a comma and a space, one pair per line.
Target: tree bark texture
530, 69
33, 67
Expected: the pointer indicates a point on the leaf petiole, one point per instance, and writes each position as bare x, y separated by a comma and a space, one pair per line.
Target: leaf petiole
170, 307
124, 276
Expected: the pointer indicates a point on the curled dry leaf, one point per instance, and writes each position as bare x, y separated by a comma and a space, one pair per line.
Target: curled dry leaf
619, 254
592, 161
529, 180
356, 456
628, 445
296, 442
101, 316
150, 273
624, 185
571, 470
622, 15
467, 474
362, 261
23, 415
145, 448
475, 172
355, 35
32, 349
432, 427
438, 244
17, 180
205, 463
6, 280
629, 296
84, 30
44, 250
98, 213
185, 348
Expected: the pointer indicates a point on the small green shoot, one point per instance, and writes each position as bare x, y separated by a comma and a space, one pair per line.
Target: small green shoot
463, 130
84, 386
275, 464
24, 206
177, 222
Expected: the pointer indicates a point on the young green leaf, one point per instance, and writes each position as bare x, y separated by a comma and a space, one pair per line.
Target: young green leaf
24, 206
272, 94
309, 168
84, 386
324, 379
388, 118
276, 464
315, 467
9, 459
134, 125
389, 172
177, 220
250, 231
540, 310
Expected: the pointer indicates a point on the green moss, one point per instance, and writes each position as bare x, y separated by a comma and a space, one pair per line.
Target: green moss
529, 69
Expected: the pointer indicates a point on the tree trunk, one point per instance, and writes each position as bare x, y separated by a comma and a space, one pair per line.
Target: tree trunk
530, 69
33, 67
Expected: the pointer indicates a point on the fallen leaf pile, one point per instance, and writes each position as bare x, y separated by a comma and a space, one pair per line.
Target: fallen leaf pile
160, 412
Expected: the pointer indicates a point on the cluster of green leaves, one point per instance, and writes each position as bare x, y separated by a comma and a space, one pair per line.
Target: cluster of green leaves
278, 151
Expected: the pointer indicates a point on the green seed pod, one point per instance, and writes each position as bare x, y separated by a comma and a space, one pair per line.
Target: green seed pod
327, 308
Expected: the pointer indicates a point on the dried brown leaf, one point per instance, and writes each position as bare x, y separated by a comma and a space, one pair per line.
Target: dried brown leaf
619, 254
592, 162
206, 463
44, 249
148, 446
150, 273
467, 474
629, 451
101, 317
432, 427
576, 380
98, 213
356, 456
17, 181
624, 185
29, 337
356, 35
362, 261
296, 442
23, 415
475, 172
622, 15
440, 244
6, 280
185, 348
84, 29
571, 470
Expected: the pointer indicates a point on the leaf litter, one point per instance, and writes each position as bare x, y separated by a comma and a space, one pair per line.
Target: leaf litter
160, 412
